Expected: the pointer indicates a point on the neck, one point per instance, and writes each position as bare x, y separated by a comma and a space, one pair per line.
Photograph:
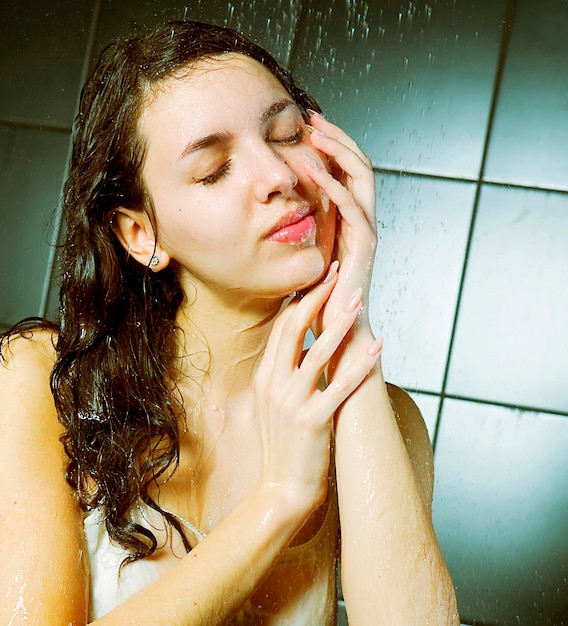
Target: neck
222, 343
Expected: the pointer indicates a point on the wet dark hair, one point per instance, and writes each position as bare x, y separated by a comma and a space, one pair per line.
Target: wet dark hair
114, 379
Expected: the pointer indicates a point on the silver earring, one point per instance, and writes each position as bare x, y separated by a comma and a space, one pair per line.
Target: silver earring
154, 261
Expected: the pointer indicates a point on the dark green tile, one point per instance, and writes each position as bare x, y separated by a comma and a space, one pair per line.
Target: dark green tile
271, 24
412, 81
42, 51
31, 173
529, 143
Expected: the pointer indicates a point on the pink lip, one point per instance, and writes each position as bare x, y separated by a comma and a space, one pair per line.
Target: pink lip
294, 227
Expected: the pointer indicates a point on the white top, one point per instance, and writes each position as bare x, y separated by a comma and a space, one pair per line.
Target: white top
314, 577
109, 585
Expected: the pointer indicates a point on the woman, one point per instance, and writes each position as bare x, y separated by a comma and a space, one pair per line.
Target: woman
207, 458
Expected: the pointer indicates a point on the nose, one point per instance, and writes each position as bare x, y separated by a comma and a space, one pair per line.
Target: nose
273, 176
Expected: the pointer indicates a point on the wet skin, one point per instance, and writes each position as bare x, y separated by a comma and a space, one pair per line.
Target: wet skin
227, 151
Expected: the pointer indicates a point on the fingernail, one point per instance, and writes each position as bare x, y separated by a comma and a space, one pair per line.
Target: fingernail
314, 113
314, 131
331, 271
376, 347
354, 300
313, 163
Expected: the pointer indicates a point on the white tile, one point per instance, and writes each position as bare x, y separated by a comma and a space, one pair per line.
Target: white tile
512, 330
423, 227
500, 511
428, 406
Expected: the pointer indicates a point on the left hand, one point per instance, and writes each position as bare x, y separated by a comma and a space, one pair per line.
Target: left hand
350, 185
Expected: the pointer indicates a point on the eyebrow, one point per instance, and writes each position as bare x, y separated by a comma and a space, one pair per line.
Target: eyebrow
202, 143
216, 138
276, 108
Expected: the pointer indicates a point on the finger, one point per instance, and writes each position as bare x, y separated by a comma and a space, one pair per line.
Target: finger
343, 198
348, 160
289, 346
334, 147
318, 356
275, 338
319, 122
359, 176
266, 365
347, 381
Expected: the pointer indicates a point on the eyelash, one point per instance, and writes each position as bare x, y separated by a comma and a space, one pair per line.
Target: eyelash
213, 178
224, 169
296, 138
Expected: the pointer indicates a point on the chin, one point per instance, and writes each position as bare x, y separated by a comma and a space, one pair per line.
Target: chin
310, 273
300, 268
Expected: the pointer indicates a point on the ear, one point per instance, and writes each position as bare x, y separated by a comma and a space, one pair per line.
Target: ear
136, 234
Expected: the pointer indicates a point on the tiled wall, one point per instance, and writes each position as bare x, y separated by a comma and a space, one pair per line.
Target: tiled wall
463, 107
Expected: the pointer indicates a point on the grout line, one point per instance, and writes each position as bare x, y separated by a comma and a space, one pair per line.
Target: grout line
90, 43
292, 55
58, 217
416, 174
522, 187
504, 47
496, 403
464, 179
43, 126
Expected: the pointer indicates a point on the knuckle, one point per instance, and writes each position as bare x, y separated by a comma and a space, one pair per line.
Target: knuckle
341, 386
272, 394
319, 352
292, 327
373, 241
260, 379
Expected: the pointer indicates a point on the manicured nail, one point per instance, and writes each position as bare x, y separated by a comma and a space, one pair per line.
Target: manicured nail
331, 271
376, 347
314, 131
354, 300
314, 113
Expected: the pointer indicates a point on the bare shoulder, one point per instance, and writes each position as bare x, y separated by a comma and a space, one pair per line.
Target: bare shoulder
415, 435
26, 403
31, 350
39, 514
25, 366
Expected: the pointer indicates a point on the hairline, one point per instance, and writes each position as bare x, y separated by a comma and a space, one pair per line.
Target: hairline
151, 90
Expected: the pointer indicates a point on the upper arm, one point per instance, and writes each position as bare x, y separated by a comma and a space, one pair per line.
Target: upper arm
417, 441
43, 576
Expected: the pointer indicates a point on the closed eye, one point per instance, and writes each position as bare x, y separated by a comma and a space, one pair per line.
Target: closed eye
292, 139
213, 178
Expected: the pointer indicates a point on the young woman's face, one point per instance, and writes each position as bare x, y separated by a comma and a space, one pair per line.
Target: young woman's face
225, 167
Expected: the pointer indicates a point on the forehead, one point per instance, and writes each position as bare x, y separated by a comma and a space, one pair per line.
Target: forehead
224, 81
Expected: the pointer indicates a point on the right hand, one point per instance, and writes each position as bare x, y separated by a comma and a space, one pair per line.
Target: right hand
295, 416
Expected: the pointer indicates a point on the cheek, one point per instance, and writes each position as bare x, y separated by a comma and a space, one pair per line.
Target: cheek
327, 229
315, 155
184, 218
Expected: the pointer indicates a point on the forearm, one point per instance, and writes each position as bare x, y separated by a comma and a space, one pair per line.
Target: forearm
392, 569
211, 584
